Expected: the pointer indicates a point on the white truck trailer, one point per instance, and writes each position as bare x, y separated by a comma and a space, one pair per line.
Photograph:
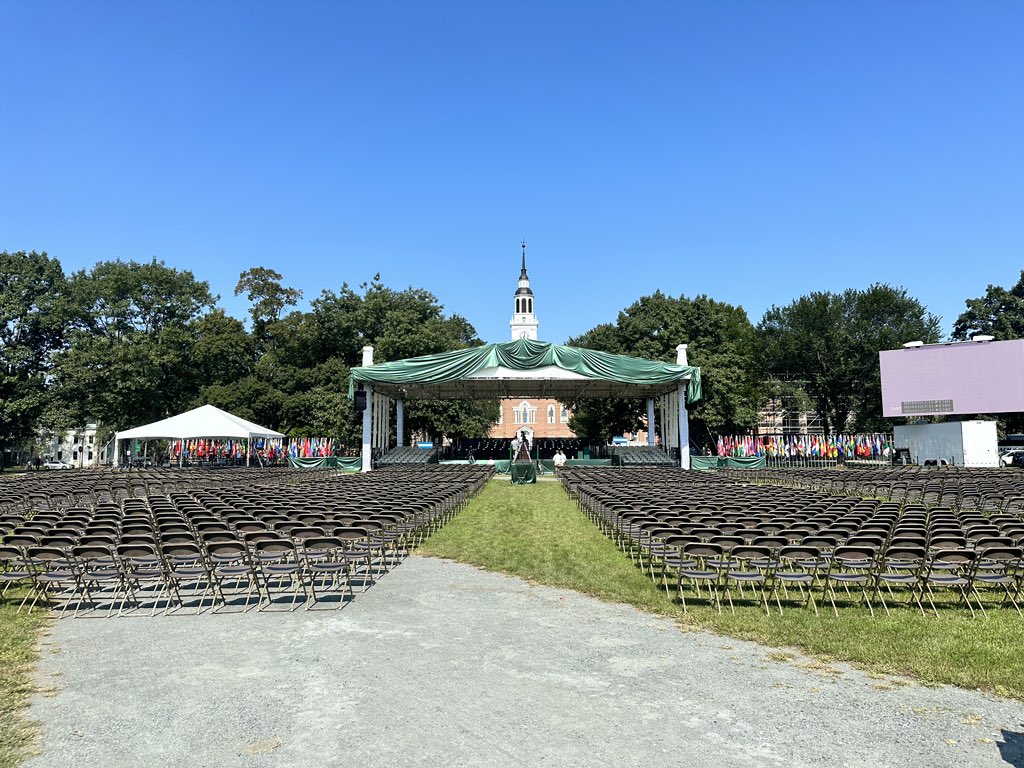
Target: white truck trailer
960, 443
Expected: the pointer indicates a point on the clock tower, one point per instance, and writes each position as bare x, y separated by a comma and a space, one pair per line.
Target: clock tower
524, 321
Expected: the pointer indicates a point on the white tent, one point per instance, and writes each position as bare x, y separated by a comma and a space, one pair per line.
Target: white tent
206, 421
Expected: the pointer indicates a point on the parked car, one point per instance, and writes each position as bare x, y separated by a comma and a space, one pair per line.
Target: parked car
54, 464
1007, 457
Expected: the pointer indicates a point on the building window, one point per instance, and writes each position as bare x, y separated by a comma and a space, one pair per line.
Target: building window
551, 414
501, 415
565, 415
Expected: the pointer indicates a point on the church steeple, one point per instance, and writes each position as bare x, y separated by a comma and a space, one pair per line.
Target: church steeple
524, 321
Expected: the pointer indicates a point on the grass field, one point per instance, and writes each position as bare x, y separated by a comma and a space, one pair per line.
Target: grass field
18, 633
537, 533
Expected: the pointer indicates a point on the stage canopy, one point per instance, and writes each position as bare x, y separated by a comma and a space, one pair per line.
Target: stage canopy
203, 422
524, 368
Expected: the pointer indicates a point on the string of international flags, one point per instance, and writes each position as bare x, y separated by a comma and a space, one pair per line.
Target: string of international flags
860, 446
267, 448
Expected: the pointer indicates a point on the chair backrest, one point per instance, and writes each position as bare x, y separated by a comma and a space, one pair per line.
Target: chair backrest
1003, 555
954, 557
228, 549
282, 548
853, 554
800, 555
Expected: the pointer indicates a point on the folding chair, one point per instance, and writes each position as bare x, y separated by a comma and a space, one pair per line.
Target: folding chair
851, 566
798, 566
277, 561
901, 567
231, 564
952, 569
702, 572
999, 569
750, 567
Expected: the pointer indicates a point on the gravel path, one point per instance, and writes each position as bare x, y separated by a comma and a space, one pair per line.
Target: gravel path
441, 663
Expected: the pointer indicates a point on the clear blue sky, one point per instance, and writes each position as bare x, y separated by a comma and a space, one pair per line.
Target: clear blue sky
753, 151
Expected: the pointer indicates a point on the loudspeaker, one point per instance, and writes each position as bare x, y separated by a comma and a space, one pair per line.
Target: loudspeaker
359, 402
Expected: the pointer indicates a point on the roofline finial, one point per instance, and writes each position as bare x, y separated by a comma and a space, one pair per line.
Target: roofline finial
522, 275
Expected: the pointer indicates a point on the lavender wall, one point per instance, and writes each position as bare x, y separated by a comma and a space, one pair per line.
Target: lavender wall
985, 377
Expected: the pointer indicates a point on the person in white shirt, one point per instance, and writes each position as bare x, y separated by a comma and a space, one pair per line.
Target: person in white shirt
559, 458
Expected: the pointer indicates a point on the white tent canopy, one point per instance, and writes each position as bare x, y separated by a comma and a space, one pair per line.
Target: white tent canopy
206, 421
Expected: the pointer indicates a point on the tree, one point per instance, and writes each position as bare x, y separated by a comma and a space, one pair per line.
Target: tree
269, 297
720, 339
131, 352
830, 342
32, 307
999, 313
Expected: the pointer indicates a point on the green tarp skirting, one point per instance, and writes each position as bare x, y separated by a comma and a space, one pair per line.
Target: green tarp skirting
347, 463
727, 462
526, 355
523, 473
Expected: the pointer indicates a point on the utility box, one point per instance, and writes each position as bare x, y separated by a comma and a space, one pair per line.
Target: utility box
960, 443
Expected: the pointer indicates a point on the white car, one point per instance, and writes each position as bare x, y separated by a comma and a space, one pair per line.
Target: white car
54, 464
1006, 458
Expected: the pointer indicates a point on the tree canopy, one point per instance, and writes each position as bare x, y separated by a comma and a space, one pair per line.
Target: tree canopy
720, 338
32, 305
127, 342
829, 344
999, 313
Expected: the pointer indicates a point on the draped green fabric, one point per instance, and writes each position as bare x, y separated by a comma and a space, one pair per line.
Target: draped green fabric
351, 464
745, 462
527, 355
705, 462
524, 473
730, 462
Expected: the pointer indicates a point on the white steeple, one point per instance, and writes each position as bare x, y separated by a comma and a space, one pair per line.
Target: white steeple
524, 321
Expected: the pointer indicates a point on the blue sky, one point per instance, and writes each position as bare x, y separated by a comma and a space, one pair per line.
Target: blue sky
753, 151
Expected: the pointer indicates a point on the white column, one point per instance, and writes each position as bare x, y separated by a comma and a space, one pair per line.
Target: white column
367, 454
684, 417
684, 428
400, 422
650, 421
368, 432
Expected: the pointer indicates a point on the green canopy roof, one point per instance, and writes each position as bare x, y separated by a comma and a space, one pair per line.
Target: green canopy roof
525, 368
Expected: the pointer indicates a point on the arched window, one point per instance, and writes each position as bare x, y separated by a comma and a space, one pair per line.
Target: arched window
529, 306
551, 414
565, 415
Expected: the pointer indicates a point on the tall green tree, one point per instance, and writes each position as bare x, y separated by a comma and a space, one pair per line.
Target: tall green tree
33, 313
720, 339
999, 313
262, 287
829, 343
130, 356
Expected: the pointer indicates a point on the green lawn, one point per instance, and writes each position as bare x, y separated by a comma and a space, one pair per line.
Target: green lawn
537, 533
18, 634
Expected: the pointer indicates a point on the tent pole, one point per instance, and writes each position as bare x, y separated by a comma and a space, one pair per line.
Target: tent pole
650, 421
248, 451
